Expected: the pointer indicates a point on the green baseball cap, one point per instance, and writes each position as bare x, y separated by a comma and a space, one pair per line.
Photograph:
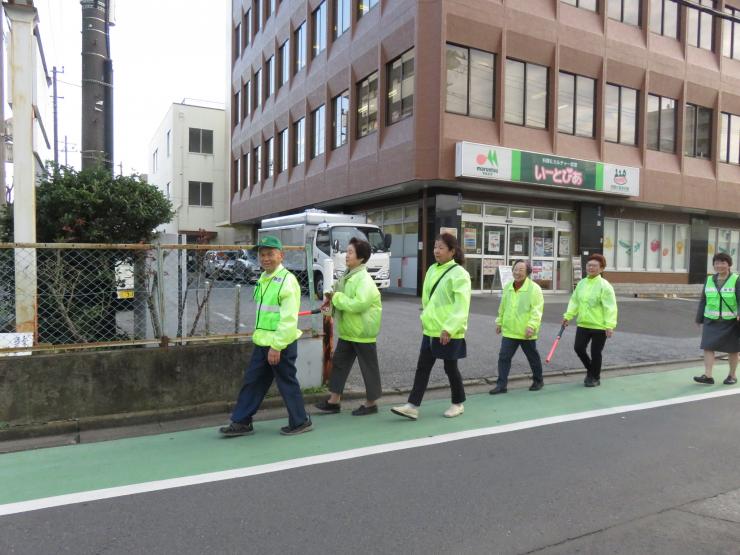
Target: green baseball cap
271, 242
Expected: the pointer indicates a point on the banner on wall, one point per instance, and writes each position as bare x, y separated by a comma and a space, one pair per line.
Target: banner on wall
497, 163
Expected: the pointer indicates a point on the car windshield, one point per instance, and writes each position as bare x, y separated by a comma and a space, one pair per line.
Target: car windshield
370, 234
250, 255
229, 255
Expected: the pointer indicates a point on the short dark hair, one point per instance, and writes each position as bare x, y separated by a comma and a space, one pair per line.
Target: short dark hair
362, 248
722, 257
451, 241
526, 263
599, 258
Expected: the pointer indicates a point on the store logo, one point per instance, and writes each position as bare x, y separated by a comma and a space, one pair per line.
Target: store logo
620, 177
491, 158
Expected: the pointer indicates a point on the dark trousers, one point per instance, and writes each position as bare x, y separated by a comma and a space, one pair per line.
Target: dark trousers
342, 361
598, 340
258, 379
424, 369
508, 348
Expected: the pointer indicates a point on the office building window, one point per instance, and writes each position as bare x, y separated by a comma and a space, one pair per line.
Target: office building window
248, 98
247, 27
235, 175
620, 115
299, 44
341, 16
245, 100
269, 157
258, 88
585, 4
236, 110
318, 131
576, 101
167, 190
729, 139
697, 132
200, 193
299, 141
200, 140
258, 15
626, 11
700, 26
245, 172
283, 152
661, 123
155, 160
318, 30
168, 141
340, 119
284, 61
526, 94
401, 87
664, 17
731, 34
270, 77
367, 105
237, 41
470, 81
364, 6
256, 164
273, 7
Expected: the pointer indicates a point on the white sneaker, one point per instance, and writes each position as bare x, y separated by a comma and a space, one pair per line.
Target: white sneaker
408, 410
454, 410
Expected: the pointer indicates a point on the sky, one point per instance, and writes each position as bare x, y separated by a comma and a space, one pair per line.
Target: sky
163, 51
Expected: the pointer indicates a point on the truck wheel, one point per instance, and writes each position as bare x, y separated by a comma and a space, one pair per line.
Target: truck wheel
318, 285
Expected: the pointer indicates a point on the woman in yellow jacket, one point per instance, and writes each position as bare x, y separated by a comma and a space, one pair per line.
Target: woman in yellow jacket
595, 305
356, 306
445, 304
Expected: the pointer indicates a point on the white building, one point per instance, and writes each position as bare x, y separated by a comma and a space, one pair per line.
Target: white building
187, 162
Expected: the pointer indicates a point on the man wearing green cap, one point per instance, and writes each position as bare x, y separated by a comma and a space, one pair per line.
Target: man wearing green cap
278, 298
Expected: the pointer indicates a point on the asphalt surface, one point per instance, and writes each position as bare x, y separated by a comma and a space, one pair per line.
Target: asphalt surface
657, 481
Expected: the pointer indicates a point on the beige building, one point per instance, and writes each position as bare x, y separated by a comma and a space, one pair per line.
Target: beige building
537, 129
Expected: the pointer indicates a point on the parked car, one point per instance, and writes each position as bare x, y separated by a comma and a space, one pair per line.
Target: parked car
220, 264
247, 267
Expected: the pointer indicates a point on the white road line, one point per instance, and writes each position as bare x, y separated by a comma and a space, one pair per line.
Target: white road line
159, 485
224, 317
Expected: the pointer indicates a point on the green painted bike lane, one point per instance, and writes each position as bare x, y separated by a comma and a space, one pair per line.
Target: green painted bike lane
56, 471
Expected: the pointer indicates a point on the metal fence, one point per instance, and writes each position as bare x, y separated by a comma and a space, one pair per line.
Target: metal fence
76, 296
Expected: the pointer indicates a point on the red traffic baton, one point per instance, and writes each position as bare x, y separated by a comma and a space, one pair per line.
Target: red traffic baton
555, 344
308, 312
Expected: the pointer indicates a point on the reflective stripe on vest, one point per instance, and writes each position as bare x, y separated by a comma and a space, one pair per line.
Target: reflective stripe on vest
268, 308
723, 303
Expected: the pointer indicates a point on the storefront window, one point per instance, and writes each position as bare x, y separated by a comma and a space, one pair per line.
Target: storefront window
653, 248
681, 249
566, 216
624, 245
411, 213
393, 214
639, 246
494, 210
518, 242
666, 252
542, 273
472, 208
375, 217
517, 212
610, 235
543, 241
543, 214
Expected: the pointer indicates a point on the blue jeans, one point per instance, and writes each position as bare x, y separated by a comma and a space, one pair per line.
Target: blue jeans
508, 348
258, 379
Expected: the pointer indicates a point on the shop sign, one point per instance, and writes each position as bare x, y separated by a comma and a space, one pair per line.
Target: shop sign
505, 164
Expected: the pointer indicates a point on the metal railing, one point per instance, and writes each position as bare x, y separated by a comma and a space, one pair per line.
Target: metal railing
80, 296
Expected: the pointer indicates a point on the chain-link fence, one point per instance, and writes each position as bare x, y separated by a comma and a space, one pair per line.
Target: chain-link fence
111, 295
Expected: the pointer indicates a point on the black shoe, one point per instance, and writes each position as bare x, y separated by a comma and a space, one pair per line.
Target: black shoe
236, 429
729, 380
704, 379
536, 385
328, 408
591, 382
307, 426
362, 410
498, 389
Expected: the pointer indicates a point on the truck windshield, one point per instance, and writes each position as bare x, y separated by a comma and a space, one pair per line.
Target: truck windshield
370, 234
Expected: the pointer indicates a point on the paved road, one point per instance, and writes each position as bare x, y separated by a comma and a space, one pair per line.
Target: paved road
658, 480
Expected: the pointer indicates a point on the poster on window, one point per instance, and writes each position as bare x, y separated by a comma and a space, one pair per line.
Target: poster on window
564, 245
542, 270
470, 238
548, 246
494, 241
489, 266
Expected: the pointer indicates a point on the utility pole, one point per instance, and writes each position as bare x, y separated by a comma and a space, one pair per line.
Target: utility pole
65, 151
54, 72
97, 86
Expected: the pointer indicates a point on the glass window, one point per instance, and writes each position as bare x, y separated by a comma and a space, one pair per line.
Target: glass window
367, 105
566, 216
495, 210
200, 193
246, 171
364, 6
258, 14
299, 141
318, 30
256, 164
526, 94
299, 45
247, 27
401, 87
620, 115
544, 214
284, 61
610, 239
248, 97
283, 153
517, 212
237, 41
698, 131
666, 251
270, 77
576, 104
519, 242
472, 237
318, 131
661, 123
652, 253
257, 88
624, 245
200, 140
681, 249
638, 246
543, 241
729, 139
341, 17
664, 17
340, 119
731, 34
700, 26
322, 241
626, 11
269, 158
470, 79
584, 4
471, 208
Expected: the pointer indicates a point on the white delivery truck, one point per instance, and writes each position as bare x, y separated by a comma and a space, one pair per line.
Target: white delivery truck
328, 235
